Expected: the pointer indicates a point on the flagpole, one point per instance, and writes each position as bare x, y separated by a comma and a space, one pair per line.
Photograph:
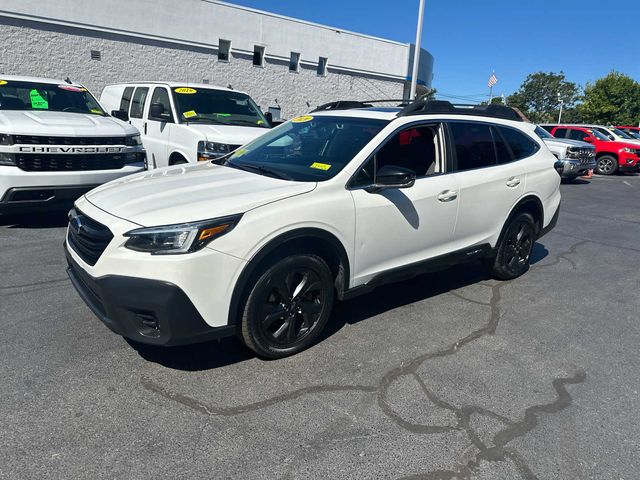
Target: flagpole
490, 94
416, 53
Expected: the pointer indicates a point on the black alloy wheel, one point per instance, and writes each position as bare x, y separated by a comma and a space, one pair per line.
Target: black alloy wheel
514, 251
288, 306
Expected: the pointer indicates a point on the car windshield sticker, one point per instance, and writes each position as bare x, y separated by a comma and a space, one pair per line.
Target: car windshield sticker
72, 88
3, 82
223, 114
302, 119
260, 122
96, 111
38, 101
239, 153
190, 114
185, 90
320, 166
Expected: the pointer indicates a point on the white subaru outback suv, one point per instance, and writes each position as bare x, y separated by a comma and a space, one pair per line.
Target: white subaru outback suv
326, 206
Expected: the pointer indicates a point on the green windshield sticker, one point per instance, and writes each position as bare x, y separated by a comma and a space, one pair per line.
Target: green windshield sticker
223, 114
38, 101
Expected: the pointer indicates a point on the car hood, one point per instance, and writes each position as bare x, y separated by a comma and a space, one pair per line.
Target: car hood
567, 142
230, 134
188, 193
20, 122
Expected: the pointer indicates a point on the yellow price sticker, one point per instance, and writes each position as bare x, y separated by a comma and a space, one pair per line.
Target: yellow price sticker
95, 110
189, 114
186, 90
320, 166
3, 82
302, 119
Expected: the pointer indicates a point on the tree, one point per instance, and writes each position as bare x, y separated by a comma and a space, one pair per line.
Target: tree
540, 94
612, 100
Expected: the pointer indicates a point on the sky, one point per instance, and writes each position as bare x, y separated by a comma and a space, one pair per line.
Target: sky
469, 39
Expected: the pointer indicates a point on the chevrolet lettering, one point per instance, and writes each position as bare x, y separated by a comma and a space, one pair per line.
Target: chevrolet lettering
72, 149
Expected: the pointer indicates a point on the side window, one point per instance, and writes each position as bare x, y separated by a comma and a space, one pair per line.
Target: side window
416, 148
502, 151
578, 135
473, 144
126, 99
161, 97
137, 102
560, 133
521, 145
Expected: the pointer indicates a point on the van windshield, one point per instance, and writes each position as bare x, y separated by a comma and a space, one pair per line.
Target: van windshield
307, 148
47, 96
217, 107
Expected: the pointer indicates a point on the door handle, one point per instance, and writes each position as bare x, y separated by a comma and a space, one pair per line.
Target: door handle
145, 128
447, 196
513, 182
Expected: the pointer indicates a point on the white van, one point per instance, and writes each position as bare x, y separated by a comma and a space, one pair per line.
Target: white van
57, 143
182, 122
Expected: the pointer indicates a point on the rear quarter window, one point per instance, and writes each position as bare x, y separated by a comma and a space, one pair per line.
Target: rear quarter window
521, 145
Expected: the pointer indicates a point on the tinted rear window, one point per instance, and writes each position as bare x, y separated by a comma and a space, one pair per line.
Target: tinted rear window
474, 145
521, 145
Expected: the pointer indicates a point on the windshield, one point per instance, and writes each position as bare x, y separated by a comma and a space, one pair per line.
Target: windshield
217, 107
307, 149
542, 133
47, 96
635, 134
622, 134
599, 135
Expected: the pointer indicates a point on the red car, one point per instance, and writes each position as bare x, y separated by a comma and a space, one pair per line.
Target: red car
633, 131
611, 156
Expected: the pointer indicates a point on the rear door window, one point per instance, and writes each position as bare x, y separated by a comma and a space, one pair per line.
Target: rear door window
126, 99
473, 145
138, 101
578, 135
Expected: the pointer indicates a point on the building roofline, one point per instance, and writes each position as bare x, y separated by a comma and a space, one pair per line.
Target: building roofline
305, 22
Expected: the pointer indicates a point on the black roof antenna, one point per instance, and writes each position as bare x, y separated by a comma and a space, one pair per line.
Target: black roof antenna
68, 80
230, 87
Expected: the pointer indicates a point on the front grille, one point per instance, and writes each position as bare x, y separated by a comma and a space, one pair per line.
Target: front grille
584, 154
41, 140
45, 162
87, 237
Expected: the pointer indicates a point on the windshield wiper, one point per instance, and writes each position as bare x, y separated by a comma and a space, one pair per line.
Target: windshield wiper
260, 169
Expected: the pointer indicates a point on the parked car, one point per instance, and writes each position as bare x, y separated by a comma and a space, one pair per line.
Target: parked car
57, 143
611, 156
186, 123
328, 205
577, 157
633, 131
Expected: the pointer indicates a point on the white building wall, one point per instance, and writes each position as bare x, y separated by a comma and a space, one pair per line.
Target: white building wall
178, 41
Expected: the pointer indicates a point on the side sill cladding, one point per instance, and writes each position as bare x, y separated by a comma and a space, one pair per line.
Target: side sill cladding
308, 240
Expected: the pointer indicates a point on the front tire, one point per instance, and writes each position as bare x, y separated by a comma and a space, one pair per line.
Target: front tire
514, 251
606, 165
288, 306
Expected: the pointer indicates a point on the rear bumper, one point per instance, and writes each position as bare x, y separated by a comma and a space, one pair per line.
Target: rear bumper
551, 225
147, 311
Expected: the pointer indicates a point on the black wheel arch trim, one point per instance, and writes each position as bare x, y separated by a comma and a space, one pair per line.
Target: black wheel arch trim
529, 199
341, 279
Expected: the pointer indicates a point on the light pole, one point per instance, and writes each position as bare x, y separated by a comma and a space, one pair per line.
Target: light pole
561, 105
416, 52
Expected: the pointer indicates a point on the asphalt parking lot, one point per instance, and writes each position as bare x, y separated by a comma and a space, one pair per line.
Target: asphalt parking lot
450, 375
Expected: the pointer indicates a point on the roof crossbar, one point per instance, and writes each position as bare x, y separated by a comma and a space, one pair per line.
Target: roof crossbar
442, 106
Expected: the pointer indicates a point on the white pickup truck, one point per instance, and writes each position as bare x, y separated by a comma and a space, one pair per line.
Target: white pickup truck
577, 157
56, 143
186, 122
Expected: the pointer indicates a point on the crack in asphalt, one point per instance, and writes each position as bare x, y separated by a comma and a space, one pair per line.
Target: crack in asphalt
496, 453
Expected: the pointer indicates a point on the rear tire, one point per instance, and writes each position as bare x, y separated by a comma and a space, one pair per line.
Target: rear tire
288, 306
514, 250
606, 165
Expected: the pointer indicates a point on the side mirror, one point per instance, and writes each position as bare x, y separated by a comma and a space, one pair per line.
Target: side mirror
120, 115
588, 139
156, 110
269, 117
559, 166
391, 176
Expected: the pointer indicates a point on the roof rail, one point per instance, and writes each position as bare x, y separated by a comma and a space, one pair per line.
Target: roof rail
351, 104
442, 106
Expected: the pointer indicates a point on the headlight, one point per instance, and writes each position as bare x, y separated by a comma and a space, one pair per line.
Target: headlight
181, 238
133, 141
7, 160
211, 150
629, 150
6, 139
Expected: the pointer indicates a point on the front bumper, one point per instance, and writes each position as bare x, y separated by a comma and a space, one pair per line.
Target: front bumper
22, 191
147, 311
629, 168
573, 168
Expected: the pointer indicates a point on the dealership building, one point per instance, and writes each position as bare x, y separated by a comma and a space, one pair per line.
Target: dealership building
287, 65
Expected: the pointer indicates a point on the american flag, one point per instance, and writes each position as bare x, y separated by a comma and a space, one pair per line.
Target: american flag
492, 80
